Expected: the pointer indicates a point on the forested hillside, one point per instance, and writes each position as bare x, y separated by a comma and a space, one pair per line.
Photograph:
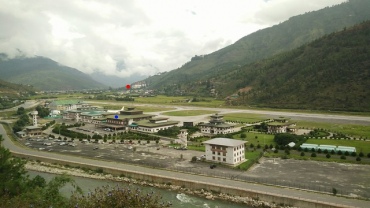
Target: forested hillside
330, 73
44, 74
11, 90
195, 77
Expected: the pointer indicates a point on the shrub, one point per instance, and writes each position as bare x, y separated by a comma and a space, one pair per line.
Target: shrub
313, 154
358, 159
343, 157
361, 154
346, 153
332, 152
353, 154
334, 191
194, 159
368, 155
243, 135
326, 151
276, 151
339, 152
319, 151
302, 153
328, 156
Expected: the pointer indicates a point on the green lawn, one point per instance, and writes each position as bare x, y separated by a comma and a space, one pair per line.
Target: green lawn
189, 113
363, 146
244, 117
179, 100
319, 157
261, 139
348, 129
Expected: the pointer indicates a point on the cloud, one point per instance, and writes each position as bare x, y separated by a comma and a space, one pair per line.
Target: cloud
141, 37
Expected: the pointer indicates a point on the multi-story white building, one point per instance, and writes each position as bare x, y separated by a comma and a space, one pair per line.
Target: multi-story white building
229, 151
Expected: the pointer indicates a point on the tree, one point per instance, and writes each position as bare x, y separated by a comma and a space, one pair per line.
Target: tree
194, 159
358, 159
313, 154
243, 136
302, 153
328, 156
334, 190
361, 154
21, 111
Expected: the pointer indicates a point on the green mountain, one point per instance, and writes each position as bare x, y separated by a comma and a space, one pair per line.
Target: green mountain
296, 31
330, 73
11, 90
45, 74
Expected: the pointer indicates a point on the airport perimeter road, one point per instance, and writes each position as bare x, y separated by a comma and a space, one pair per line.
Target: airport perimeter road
346, 202
26, 105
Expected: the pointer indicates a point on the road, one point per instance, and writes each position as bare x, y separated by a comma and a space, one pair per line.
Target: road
345, 202
26, 105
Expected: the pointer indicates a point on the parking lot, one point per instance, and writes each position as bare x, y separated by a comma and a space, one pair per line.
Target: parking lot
349, 179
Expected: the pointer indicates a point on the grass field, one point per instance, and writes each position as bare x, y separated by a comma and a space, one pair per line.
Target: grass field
319, 157
261, 139
244, 117
361, 146
179, 100
348, 129
189, 113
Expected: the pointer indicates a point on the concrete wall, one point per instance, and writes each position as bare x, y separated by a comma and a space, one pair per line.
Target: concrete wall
194, 185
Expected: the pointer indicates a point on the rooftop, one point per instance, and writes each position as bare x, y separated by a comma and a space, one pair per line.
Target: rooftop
122, 117
225, 142
146, 123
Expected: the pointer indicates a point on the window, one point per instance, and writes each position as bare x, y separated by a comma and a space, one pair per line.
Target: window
218, 153
224, 154
224, 159
213, 158
213, 153
219, 159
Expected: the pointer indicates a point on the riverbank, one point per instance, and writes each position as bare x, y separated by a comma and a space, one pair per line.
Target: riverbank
97, 174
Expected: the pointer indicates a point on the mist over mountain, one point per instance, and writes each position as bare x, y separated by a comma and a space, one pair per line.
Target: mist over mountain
115, 81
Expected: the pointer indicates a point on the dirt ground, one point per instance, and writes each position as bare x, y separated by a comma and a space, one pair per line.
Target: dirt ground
348, 179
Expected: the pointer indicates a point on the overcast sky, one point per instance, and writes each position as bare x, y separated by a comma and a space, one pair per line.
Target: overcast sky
122, 37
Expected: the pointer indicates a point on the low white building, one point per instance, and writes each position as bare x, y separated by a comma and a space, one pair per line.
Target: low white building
223, 150
217, 125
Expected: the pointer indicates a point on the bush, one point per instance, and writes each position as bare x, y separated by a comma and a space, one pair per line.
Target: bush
326, 151
343, 157
194, 159
339, 152
276, 151
302, 154
353, 154
328, 156
368, 155
313, 154
346, 153
319, 151
334, 191
361, 154
243, 136
358, 159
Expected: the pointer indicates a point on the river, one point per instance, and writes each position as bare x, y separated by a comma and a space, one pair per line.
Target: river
177, 199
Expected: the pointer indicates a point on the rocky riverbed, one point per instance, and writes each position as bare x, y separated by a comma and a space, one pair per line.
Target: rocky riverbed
58, 169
